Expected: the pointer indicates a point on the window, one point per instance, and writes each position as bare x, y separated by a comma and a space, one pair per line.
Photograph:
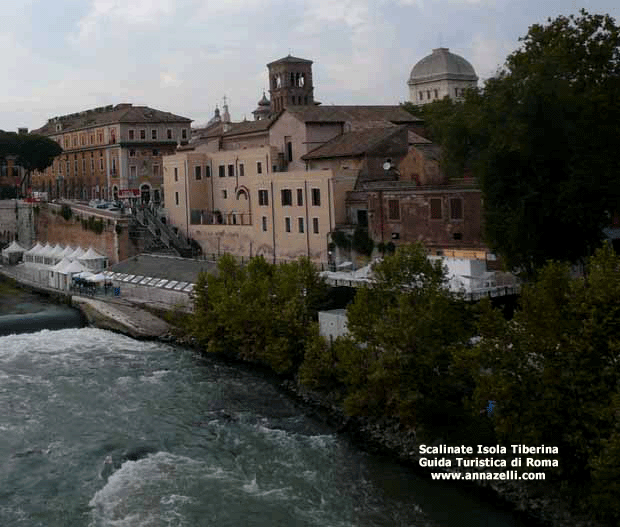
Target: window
300, 197
169, 133
428, 94
436, 94
316, 197
456, 209
287, 197
100, 137
287, 224
83, 166
421, 96
241, 170
176, 174
435, 208
155, 152
176, 198
198, 172
101, 163
142, 134
92, 164
264, 223
132, 153
263, 197
393, 209
91, 138
133, 172
456, 92
68, 167
289, 151
75, 140
184, 133
114, 165
315, 225
155, 171
75, 166
231, 170
222, 170
82, 139
153, 134
224, 194
259, 167
132, 135
300, 223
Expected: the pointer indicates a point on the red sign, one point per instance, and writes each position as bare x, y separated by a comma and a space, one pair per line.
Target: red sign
128, 193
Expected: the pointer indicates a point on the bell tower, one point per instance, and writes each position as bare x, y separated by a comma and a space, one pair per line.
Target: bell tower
290, 83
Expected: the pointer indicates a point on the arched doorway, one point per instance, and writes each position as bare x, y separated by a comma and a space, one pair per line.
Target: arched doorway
145, 193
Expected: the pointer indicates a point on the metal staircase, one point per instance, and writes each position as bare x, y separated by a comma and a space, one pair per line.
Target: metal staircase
164, 233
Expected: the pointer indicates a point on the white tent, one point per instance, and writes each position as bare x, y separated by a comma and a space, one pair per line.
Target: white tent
13, 253
31, 254
67, 273
67, 251
93, 260
76, 254
97, 278
45, 255
56, 276
56, 254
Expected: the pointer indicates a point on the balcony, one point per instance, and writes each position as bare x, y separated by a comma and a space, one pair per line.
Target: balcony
217, 217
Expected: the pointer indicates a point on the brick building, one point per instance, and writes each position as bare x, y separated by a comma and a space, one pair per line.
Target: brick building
111, 152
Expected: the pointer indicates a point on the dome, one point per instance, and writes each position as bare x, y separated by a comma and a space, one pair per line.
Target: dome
442, 65
264, 101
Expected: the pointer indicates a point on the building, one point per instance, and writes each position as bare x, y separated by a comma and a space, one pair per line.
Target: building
111, 152
440, 74
282, 184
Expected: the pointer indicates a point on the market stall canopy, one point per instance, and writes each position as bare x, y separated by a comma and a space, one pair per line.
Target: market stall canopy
57, 253
73, 267
60, 266
97, 278
13, 248
76, 254
67, 251
91, 254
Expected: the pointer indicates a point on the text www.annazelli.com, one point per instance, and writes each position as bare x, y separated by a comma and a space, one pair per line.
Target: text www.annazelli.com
470, 476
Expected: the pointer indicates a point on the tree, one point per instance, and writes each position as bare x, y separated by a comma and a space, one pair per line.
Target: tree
34, 152
397, 361
541, 138
553, 372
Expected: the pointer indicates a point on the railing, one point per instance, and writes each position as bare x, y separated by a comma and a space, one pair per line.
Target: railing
164, 232
208, 217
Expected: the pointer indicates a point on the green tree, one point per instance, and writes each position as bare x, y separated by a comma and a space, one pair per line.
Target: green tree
403, 328
34, 152
553, 371
541, 140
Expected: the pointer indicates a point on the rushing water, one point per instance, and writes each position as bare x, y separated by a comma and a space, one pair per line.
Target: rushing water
97, 429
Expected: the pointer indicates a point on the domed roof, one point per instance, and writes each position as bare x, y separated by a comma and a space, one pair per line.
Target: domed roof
264, 101
440, 65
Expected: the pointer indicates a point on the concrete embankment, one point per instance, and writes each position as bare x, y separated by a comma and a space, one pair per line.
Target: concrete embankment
121, 316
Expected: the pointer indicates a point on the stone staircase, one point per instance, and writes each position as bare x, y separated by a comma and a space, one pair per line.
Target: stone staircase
162, 237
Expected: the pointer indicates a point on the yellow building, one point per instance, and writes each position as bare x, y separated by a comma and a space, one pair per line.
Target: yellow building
231, 201
111, 152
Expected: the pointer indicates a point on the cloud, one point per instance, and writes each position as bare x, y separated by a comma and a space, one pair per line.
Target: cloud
488, 54
127, 12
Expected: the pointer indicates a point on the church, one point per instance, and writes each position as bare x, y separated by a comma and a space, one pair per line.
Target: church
282, 184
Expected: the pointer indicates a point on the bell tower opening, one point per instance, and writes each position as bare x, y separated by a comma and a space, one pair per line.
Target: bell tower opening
290, 83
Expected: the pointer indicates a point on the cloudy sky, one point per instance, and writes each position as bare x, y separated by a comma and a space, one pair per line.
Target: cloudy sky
183, 56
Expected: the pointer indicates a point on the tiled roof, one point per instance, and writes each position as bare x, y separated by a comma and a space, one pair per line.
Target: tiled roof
243, 127
344, 114
415, 139
121, 113
353, 144
290, 58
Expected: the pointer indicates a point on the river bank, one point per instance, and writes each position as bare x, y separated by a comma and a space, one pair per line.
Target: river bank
537, 503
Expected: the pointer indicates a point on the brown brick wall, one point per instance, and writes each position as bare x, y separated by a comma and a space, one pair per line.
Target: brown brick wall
51, 227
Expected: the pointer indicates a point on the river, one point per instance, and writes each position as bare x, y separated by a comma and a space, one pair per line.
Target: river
98, 429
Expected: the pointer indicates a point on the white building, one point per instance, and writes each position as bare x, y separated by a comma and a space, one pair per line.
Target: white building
440, 74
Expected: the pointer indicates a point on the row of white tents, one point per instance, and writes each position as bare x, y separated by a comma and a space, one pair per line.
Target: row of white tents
52, 255
58, 266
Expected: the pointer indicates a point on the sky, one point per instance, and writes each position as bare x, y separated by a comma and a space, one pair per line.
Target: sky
184, 56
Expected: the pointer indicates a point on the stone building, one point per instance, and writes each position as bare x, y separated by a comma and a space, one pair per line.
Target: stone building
111, 152
440, 74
